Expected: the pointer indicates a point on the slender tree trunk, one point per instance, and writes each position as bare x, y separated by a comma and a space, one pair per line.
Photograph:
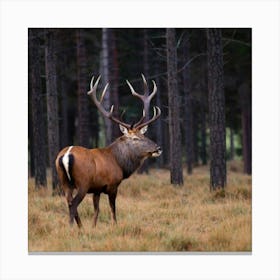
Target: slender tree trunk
188, 123
38, 143
204, 110
114, 78
145, 166
203, 152
174, 110
247, 141
62, 88
83, 101
216, 109
145, 52
105, 70
65, 141
246, 103
166, 145
31, 167
232, 149
52, 106
195, 121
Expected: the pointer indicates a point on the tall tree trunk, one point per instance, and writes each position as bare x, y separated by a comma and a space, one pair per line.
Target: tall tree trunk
83, 101
62, 88
174, 110
38, 139
105, 70
64, 141
232, 149
145, 166
188, 123
216, 109
195, 121
114, 78
52, 108
246, 103
203, 152
31, 166
204, 110
145, 52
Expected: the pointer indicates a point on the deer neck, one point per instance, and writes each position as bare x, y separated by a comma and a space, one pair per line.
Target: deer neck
126, 157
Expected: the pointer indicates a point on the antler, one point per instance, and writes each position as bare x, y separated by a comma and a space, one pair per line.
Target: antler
146, 99
109, 115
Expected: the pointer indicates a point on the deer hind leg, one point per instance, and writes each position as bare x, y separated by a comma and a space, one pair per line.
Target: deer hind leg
73, 209
68, 194
69, 197
96, 199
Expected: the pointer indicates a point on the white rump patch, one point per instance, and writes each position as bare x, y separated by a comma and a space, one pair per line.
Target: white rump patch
65, 161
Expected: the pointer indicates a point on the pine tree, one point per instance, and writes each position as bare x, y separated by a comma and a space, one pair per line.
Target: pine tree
176, 170
83, 101
52, 105
216, 109
39, 145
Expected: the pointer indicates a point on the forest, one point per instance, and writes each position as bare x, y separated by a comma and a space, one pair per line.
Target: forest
203, 78
63, 61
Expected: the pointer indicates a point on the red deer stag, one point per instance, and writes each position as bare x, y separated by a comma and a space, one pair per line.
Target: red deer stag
101, 170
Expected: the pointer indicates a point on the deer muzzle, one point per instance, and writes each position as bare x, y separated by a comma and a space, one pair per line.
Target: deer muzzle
157, 152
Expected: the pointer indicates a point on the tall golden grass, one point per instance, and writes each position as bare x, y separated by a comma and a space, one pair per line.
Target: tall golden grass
153, 216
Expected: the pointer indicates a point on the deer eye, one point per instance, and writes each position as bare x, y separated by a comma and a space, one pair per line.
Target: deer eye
135, 138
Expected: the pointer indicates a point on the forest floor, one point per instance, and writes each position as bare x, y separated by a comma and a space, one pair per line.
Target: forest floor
153, 216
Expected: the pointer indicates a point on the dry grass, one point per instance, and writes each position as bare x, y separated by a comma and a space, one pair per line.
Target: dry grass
152, 216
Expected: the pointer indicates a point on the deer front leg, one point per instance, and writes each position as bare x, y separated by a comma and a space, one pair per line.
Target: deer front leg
95, 198
112, 202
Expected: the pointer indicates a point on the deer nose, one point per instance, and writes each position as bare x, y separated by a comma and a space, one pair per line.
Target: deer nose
157, 152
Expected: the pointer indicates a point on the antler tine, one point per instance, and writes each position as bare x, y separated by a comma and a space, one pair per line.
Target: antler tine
91, 83
141, 120
103, 93
146, 89
106, 114
133, 92
157, 113
146, 99
154, 90
93, 88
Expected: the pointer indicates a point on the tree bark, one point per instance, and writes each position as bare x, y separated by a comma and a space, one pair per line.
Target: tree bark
52, 106
106, 79
195, 130
145, 166
246, 103
176, 170
232, 149
63, 89
216, 109
83, 101
188, 123
203, 152
38, 143
114, 78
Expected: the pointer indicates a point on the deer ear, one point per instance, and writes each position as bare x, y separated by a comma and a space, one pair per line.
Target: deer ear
123, 129
143, 129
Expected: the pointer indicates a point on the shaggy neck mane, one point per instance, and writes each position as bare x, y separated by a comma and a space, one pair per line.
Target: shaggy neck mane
127, 159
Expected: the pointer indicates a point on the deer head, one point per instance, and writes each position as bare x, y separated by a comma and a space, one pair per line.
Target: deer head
134, 133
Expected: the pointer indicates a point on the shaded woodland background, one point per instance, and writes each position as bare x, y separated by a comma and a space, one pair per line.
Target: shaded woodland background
204, 92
